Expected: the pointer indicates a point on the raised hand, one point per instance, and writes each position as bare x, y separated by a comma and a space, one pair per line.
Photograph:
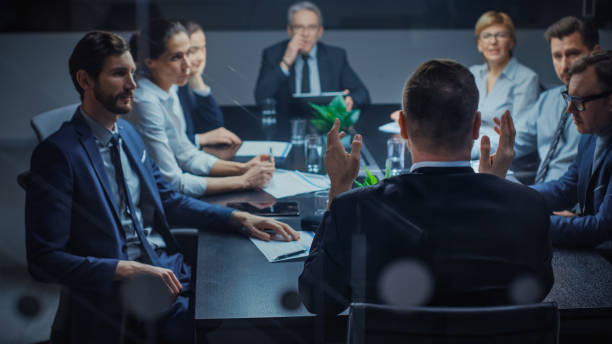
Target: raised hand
499, 162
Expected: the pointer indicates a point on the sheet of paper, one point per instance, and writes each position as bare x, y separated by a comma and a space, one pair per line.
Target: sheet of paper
273, 249
285, 183
391, 128
252, 148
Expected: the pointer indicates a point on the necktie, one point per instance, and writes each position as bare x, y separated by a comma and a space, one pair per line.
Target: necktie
305, 74
543, 171
124, 194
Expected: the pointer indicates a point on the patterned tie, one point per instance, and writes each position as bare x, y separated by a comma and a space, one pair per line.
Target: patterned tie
543, 171
305, 74
125, 195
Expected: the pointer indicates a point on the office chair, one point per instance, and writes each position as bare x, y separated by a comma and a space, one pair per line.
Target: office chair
533, 323
48, 122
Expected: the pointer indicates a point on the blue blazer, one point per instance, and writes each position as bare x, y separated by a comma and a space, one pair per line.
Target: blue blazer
335, 74
592, 191
201, 113
73, 236
473, 235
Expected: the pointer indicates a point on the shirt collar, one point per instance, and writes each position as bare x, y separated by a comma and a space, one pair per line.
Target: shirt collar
421, 164
99, 132
313, 52
509, 71
150, 87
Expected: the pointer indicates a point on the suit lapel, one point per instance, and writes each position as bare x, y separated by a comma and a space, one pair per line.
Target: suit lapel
325, 71
93, 153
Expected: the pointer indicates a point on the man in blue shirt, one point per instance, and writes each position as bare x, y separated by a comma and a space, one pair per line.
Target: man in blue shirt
587, 182
570, 38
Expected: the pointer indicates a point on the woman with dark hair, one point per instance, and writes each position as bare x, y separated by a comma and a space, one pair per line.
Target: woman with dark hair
203, 116
503, 83
162, 51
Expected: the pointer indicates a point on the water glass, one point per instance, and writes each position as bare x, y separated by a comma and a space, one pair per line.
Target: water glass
314, 153
268, 111
396, 148
298, 130
320, 202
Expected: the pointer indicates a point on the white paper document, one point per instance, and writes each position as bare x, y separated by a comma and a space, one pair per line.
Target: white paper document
252, 148
278, 251
285, 183
391, 128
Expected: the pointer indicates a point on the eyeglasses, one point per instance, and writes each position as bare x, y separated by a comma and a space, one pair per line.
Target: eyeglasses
309, 28
487, 36
578, 102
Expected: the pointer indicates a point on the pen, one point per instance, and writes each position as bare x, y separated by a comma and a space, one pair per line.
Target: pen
288, 255
270, 154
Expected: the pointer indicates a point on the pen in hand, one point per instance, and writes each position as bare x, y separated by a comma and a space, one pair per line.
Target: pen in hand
270, 156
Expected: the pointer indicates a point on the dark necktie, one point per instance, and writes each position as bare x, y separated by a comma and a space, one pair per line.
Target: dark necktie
543, 171
305, 74
124, 194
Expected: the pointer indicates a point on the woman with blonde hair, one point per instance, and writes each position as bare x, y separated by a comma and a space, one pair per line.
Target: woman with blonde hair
503, 83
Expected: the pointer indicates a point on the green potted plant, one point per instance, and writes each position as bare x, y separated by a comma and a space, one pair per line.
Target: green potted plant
371, 179
327, 114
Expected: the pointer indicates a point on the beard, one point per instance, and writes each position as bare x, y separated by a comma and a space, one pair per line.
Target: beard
114, 103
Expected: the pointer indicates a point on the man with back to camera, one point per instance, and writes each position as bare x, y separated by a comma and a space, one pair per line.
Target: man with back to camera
305, 65
98, 209
460, 225
569, 39
587, 181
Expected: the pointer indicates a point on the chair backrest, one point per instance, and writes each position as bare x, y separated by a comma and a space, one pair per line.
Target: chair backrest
534, 323
46, 123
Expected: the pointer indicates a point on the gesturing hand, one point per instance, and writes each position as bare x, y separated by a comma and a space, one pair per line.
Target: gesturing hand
342, 167
256, 225
218, 136
499, 162
127, 268
258, 175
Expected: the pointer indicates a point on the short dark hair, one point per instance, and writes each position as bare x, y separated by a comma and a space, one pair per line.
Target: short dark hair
568, 25
602, 61
191, 27
151, 41
440, 101
90, 53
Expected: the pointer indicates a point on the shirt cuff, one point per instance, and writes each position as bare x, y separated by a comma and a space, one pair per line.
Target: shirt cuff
285, 71
203, 93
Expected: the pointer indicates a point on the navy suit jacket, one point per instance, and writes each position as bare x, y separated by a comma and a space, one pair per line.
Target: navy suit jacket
335, 74
473, 233
592, 191
73, 235
201, 113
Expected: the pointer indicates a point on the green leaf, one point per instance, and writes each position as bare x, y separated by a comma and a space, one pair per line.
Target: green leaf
354, 115
371, 179
359, 184
321, 125
320, 110
337, 105
387, 171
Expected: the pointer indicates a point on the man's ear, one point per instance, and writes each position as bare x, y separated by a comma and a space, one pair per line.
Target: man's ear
402, 124
289, 30
84, 80
476, 126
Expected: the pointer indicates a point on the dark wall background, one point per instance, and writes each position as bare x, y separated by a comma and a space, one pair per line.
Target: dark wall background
82, 15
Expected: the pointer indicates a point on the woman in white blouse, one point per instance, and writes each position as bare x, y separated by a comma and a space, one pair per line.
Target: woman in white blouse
157, 114
503, 83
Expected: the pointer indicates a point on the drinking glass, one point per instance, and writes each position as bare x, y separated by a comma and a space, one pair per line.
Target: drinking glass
314, 153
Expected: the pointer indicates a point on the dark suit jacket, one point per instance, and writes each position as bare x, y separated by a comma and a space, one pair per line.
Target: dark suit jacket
73, 235
335, 74
474, 234
592, 191
201, 113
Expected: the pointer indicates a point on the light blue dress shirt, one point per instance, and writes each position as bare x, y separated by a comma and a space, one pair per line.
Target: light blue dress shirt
536, 130
315, 81
158, 116
102, 136
516, 90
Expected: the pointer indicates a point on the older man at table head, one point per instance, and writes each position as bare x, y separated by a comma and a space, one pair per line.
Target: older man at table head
98, 209
304, 65
470, 234
546, 128
588, 180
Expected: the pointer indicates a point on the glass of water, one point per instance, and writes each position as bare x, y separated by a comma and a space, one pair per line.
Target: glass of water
298, 130
313, 147
396, 148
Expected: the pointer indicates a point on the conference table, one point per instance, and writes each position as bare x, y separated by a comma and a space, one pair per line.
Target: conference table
241, 296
